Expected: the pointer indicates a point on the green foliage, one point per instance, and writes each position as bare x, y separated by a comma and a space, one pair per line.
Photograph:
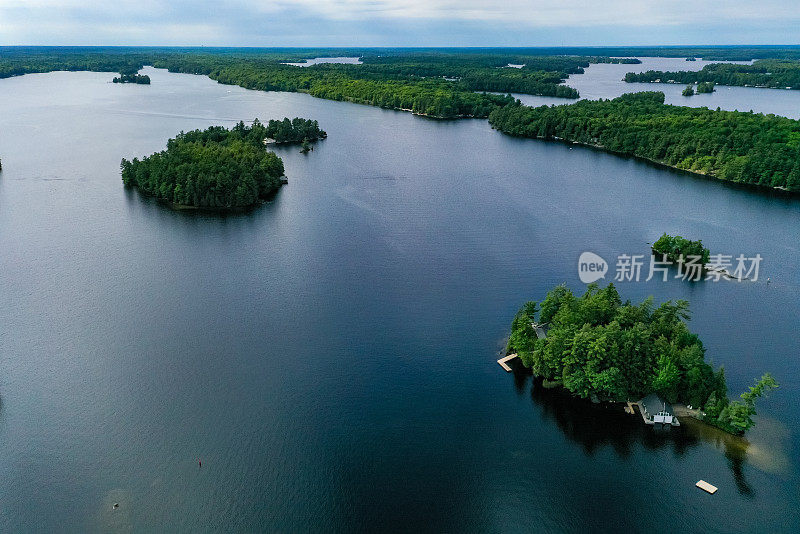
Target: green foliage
213, 168
705, 87
296, 130
776, 73
737, 416
597, 345
132, 78
677, 247
740, 147
689, 91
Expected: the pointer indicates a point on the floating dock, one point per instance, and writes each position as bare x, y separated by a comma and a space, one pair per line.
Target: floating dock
503, 364
705, 486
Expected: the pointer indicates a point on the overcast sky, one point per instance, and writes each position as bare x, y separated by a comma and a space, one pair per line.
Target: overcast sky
398, 22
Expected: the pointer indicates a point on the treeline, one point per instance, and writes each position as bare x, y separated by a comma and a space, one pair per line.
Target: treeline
432, 97
599, 347
132, 78
213, 168
677, 248
296, 130
437, 85
16, 62
730, 145
779, 74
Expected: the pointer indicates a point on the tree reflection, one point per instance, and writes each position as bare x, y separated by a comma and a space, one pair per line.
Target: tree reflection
594, 426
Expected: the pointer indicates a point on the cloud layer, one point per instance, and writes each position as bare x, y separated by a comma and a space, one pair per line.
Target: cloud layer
398, 23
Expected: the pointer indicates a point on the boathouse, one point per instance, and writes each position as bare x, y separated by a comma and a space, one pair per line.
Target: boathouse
656, 410
541, 329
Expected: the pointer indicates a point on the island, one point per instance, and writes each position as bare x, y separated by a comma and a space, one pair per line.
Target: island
678, 249
688, 91
772, 73
216, 168
597, 347
748, 148
143, 79
297, 130
705, 87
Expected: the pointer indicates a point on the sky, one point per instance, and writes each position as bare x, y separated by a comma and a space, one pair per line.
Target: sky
398, 22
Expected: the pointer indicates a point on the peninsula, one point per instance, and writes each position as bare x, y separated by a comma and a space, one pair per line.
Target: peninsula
746, 148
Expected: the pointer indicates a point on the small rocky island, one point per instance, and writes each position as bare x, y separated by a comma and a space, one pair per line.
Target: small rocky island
216, 168
142, 79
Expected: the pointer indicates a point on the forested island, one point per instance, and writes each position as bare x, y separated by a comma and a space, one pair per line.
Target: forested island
296, 130
216, 168
747, 148
143, 79
599, 347
677, 248
773, 73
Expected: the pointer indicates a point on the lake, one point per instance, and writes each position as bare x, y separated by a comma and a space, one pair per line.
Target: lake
604, 80
318, 60
331, 356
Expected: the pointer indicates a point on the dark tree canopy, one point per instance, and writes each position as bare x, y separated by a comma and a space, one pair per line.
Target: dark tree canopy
296, 130
213, 168
596, 345
775, 73
677, 247
143, 79
749, 148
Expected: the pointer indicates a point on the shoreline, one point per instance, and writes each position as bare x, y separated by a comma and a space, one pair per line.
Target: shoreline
779, 191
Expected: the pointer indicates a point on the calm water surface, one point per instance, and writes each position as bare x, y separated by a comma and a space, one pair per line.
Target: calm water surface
331, 356
605, 81
317, 60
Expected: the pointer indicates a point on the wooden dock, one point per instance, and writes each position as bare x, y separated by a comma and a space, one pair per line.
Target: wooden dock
705, 486
503, 364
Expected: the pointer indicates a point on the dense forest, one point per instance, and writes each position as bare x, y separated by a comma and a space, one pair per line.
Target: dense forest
677, 248
730, 145
599, 347
774, 73
214, 168
434, 83
296, 130
132, 78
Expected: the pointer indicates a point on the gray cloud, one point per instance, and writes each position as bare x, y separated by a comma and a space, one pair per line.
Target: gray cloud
395, 22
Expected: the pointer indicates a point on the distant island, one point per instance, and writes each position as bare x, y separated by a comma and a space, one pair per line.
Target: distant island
772, 73
143, 79
678, 249
296, 130
739, 147
216, 168
598, 347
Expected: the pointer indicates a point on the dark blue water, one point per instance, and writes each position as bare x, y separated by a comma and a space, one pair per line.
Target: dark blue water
330, 357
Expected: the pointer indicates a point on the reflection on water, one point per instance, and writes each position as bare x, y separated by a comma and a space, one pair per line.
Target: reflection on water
595, 426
